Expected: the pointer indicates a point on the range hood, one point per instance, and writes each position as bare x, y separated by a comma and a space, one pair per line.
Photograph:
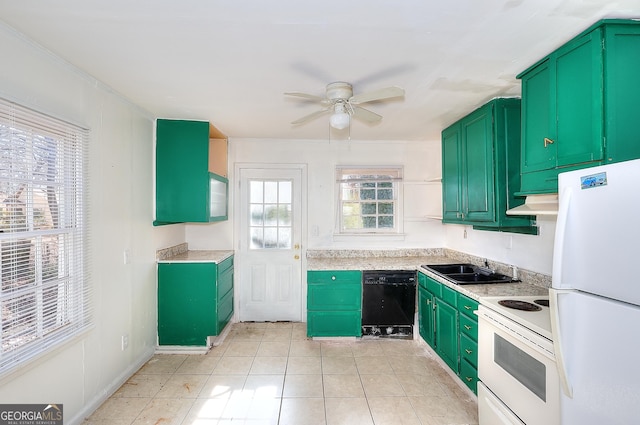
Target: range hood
537, 205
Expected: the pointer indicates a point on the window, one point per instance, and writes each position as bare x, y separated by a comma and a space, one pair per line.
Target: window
270, 222
44, 293
368, 199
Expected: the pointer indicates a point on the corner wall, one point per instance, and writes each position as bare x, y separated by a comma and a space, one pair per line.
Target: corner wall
82, 373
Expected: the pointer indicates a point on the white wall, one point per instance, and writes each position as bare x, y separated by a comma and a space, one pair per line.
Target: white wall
421, 160
530, 252
82, 373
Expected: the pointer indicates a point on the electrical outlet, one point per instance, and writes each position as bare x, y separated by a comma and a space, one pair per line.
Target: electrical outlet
125, 341
126, 256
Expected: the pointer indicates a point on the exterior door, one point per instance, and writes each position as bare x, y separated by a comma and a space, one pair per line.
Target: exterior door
269, 255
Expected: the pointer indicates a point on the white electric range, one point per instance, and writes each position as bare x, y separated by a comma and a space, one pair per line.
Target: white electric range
516, 362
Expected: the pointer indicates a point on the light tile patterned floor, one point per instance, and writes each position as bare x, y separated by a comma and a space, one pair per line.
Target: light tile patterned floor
270, 373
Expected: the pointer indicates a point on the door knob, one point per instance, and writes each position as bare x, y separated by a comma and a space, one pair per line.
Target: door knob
296, 246
297, 257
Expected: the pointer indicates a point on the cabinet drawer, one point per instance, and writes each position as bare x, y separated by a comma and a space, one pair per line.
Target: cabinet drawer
469, 375
332, 276
449, 296
333, 323
469, 350
225, 311
467, 306
335, 296
434, 287
225, 283
469, 327
225, 265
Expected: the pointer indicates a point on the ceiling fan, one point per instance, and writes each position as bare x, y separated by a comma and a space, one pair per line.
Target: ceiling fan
340, 101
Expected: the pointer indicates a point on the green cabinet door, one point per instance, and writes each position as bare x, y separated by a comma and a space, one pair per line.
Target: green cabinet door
186, 303
578, 99
452, 175
334, 303
538, 128
446, 318
478, 188
622, 91
186, 191
195, 301
426, 318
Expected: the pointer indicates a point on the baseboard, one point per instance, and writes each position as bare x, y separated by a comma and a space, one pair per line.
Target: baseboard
107, 392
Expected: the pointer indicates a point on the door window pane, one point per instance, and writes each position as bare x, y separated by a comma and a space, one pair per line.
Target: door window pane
270, 220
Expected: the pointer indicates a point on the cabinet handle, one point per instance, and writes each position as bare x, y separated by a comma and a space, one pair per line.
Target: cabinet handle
468, 351
547, 142
428, 302
467, 307
333, 278
469, 379
467, 327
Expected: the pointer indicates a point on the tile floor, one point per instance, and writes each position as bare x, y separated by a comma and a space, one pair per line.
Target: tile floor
270, 373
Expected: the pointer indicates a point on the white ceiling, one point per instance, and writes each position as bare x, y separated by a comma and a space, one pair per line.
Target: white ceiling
230, 61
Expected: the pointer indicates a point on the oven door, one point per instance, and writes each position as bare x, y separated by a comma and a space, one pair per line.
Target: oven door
492, 411
518, 366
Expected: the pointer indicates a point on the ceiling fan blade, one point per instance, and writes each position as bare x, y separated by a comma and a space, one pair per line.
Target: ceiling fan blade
306, 96
310, 117
380, 94
365, 115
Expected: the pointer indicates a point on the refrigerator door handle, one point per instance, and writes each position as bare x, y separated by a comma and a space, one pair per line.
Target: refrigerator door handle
557, 341
561, 227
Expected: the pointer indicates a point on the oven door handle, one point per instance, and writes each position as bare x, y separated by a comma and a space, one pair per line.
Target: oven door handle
557, 340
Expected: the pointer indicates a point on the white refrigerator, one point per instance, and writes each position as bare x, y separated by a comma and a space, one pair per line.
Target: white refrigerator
595, 295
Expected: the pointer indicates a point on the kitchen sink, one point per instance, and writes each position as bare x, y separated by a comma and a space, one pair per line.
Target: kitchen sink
468, 274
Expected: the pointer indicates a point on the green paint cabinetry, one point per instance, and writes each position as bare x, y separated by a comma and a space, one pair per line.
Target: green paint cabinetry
426, 317
580, 105
191, 172
468, 331
481, 168
334, 303
447, 323
195, 301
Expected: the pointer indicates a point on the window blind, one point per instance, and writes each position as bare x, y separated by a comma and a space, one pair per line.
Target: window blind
45, 292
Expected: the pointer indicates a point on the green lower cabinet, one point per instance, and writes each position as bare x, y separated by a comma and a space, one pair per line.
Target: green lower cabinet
446, 319
426, 317
334, 303
468, 341
447, 323
195, 301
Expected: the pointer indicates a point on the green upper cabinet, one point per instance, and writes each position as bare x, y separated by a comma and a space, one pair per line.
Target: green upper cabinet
580, 104
481, 168
191, 172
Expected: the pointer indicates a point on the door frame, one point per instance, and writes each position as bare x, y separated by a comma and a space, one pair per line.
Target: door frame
303, 224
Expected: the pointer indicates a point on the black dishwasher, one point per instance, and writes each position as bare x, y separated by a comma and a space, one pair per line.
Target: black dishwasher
388, 303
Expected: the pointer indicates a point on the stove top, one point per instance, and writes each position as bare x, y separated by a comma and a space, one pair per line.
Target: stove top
531, 312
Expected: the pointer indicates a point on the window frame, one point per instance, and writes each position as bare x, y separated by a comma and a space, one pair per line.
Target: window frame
356, 175
52, 276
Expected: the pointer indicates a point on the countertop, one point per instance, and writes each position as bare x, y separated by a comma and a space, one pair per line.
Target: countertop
198, 256
414, 263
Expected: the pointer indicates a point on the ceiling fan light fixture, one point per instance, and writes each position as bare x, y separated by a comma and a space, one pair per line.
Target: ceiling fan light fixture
340, 118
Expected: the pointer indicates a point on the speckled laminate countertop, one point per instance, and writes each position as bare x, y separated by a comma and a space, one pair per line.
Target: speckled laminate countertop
414, 263
198, 256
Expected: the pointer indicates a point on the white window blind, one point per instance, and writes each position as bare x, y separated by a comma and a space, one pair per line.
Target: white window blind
368, 199
45, 292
